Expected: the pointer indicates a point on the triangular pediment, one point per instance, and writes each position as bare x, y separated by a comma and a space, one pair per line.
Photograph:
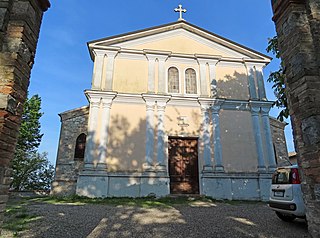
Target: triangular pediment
180, 38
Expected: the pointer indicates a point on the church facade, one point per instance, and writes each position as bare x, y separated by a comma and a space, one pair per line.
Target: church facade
173, 109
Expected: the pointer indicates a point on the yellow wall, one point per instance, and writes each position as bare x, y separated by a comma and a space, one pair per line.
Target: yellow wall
238, 144
130, 76
193, 118
232, 83
127, 132
180, 44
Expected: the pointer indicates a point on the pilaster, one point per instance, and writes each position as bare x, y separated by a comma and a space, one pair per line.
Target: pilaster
213, 80
205, 137
151, 72
90, 155
260, 81
109, 68
106, 103
255, 110
268, 137
203, 77
215, 109
150, 107
98, 68
162, 74
161, 106
252, 80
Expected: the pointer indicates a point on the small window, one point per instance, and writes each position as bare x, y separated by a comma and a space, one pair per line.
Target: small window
173, 80
191, 81
80, 147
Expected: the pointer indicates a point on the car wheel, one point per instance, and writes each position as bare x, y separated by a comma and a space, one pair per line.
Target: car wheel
286, 217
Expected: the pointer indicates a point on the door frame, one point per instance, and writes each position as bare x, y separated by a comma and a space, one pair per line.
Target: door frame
168, 158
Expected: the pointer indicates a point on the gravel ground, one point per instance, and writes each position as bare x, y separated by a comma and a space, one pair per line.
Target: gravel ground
199, 220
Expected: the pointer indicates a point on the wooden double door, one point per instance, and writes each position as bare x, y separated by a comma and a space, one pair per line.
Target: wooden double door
183, 165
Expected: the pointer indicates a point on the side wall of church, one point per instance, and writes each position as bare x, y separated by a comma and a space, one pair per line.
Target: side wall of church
279, 142
73, 123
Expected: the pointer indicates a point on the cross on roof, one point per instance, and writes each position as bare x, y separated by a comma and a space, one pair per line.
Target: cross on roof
180, 10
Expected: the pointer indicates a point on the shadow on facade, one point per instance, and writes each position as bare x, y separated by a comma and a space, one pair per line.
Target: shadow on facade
126, 146
233, 86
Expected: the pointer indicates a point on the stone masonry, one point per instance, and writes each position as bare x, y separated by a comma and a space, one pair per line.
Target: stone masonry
298, 28
75, 122
20, 22
279, 141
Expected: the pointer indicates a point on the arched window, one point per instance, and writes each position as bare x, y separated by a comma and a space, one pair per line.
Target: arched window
191, 81
173, 80
80, 147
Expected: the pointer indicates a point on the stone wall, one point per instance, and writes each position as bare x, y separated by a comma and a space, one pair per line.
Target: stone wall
73, 123
20, 22
297, 24
279, 141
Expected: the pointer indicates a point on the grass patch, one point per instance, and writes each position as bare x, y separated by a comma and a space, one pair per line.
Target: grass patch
16, 217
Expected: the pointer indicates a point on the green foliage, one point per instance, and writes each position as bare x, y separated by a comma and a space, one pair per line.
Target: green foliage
277, 78
31, 170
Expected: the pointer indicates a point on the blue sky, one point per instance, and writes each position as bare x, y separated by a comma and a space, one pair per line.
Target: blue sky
63, 68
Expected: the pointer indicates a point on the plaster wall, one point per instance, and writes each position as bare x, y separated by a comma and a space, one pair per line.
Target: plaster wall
238, 144
232, 81
130, 75
126, 137
180, 44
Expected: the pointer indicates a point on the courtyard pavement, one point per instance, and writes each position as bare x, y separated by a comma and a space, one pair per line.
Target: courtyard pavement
199, 219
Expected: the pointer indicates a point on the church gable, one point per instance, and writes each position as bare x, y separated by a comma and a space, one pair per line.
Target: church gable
181, 38
181, 42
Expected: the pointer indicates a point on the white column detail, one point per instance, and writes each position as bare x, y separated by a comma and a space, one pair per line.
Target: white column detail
268, 138
162, 75
150, 105
215, 109
98, 68
91, 142
203, 78
161, 165
205, 106
213, 77
151, 72
260, 82
109, 70
106, 103
257, 136
251, 81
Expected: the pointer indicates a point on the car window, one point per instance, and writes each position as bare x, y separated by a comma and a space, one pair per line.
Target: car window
281, 176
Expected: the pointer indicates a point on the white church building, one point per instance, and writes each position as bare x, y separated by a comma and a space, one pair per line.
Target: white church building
173, 109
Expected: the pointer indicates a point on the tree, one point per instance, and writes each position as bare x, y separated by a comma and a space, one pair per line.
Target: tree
277, 78
31, 170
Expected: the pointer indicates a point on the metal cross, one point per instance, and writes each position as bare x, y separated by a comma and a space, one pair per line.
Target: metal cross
180, 10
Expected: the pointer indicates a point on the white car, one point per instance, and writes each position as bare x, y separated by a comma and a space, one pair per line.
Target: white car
286, 195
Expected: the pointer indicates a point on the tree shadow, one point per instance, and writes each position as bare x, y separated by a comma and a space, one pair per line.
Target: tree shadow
233, 87
202, 219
